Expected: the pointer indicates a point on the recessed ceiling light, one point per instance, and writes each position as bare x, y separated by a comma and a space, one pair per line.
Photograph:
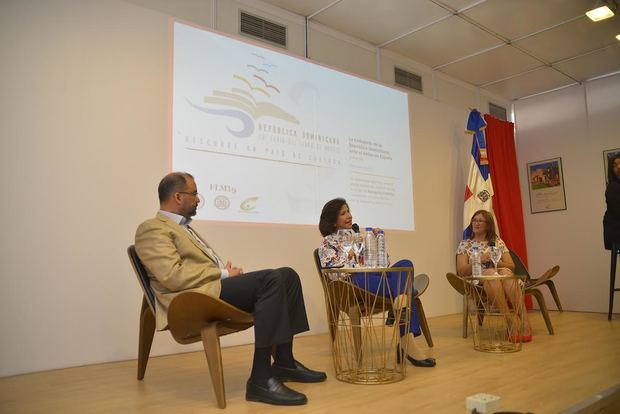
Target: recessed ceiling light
603, 10
618, 37
600, 13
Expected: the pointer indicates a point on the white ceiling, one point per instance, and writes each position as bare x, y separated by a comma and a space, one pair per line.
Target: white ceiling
513, 48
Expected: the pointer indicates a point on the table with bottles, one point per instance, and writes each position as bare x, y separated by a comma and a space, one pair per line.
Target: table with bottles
358, 301
496, 322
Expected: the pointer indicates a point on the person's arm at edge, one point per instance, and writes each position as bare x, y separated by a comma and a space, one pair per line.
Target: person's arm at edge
328, 254
463, 267
506, 262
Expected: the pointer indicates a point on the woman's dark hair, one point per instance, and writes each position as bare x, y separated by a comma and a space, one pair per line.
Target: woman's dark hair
610, 169
329, 215
491, 235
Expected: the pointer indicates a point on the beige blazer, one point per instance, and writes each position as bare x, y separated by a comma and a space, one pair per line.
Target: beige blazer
175, 262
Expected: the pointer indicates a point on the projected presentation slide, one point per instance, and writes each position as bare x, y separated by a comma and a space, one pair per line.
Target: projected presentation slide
270, 137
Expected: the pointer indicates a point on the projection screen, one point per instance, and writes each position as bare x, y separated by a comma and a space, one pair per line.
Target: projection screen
270, 137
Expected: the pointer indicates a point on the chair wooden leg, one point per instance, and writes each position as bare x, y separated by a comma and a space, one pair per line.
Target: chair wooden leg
423, 322
332, 321
480, 317
211, 344
543, 308
554, 293
356, 328
145, 337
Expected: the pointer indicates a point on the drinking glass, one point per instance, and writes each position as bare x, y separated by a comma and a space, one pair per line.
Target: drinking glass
358, 246
495, 254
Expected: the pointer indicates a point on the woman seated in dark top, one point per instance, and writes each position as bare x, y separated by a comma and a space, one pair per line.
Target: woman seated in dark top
336, 216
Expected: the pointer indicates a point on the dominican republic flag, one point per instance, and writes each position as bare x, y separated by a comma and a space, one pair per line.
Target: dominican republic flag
479, 190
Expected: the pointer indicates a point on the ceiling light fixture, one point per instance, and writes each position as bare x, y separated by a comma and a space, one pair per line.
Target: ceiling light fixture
618, 37
603, 9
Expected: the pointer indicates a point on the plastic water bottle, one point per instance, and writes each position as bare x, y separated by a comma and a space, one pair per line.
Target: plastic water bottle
381, 254
370, 248
476, 266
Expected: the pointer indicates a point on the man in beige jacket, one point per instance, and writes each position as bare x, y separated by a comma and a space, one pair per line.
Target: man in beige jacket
178, 260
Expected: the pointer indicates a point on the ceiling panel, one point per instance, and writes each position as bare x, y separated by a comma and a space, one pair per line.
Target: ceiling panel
359, 18
507, 17
461, 4
572, 39
552, 31
491, 66
595, 64
530, 83
304, 8
443, 42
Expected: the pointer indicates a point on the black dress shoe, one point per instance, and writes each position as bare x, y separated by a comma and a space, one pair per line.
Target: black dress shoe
298, 374
424, 363
274, 392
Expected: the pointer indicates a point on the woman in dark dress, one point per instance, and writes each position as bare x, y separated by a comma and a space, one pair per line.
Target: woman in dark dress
611, 220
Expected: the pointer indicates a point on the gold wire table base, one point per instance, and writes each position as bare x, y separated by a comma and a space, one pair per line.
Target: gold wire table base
373, 360
364, 347
495, 312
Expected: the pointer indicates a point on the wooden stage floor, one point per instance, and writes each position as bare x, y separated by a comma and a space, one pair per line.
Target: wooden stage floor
549, 375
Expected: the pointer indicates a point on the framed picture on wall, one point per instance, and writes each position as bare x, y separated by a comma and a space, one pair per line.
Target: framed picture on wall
546, 185
608, 155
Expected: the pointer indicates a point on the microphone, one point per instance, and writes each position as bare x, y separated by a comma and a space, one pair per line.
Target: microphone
355, 228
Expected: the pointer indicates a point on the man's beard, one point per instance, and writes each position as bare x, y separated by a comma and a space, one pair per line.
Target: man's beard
190, 213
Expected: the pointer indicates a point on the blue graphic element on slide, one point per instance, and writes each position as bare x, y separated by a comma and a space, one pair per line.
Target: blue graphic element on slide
246, 120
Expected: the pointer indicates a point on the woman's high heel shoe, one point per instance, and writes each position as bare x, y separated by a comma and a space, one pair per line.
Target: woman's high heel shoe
389, 321
425, 363
520, 338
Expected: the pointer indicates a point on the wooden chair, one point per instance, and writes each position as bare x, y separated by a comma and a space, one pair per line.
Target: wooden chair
420, 284
344, 296
192, 317
520, 269
531, 288
359, 308
459, 285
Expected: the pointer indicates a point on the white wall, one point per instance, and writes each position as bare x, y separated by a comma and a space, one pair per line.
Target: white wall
83, 124
577, 124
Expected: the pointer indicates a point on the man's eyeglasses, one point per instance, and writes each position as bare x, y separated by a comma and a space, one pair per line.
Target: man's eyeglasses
195, 194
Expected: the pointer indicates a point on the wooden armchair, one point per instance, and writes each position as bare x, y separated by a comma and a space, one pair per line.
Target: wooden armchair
530, 282
531, 287
420, 284
192, 317
459, 285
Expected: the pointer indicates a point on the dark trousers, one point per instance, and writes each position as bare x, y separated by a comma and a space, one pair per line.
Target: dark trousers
275, 298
